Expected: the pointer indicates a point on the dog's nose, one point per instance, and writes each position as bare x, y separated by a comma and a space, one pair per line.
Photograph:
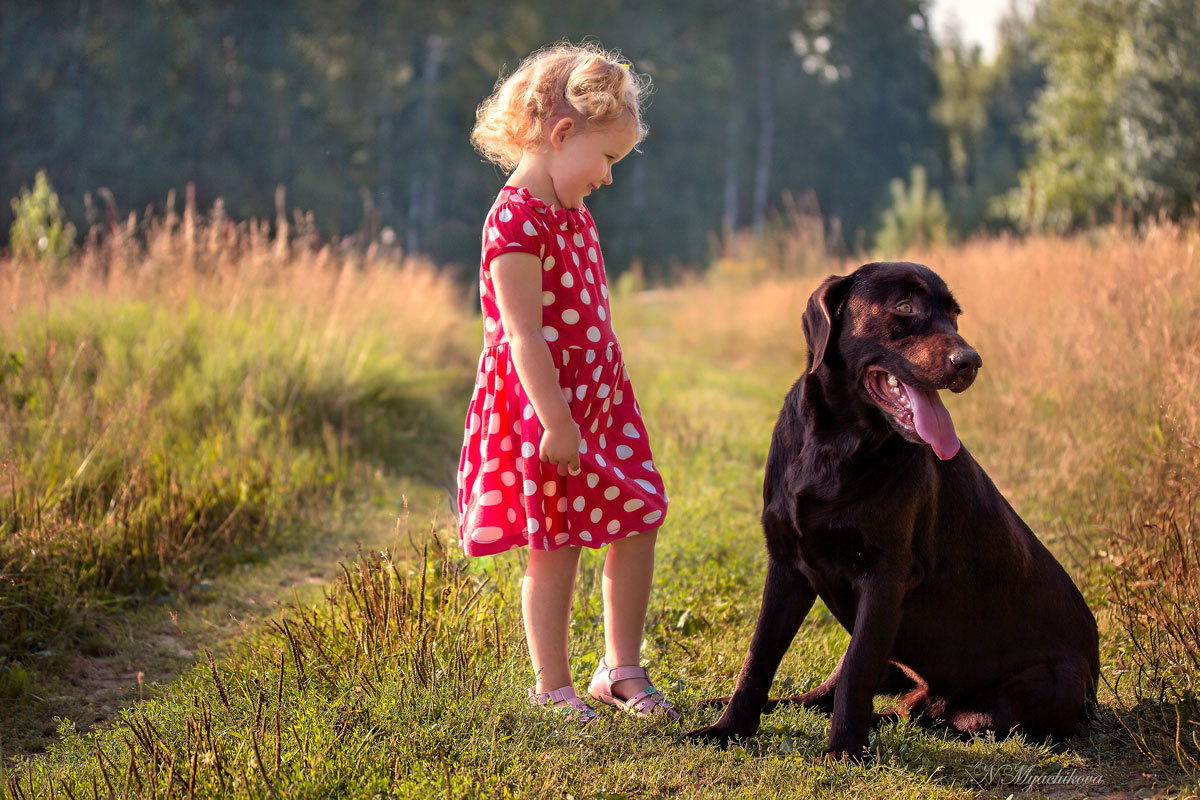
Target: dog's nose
966, 359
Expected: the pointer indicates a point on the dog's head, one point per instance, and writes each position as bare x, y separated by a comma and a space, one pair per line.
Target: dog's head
892, 329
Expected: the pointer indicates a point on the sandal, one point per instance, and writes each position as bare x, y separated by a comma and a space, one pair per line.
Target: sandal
647, 703
571, 704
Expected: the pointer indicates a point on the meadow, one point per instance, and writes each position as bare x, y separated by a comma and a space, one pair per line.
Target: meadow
183, 400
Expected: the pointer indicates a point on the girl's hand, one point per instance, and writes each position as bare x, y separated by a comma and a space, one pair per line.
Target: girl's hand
560, 445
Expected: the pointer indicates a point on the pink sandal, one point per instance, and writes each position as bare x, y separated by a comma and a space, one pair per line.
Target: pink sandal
573, 706
647, 703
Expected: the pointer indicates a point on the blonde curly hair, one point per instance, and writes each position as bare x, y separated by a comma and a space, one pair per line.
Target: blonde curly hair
584, 82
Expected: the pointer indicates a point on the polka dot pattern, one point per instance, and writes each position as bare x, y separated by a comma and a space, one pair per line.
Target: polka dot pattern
507, 496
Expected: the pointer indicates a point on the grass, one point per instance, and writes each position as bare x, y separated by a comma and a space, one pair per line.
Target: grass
407, 678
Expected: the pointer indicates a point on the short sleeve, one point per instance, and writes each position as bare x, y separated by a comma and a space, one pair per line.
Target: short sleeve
514, 228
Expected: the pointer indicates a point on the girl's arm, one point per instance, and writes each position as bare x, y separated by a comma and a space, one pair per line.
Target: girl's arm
518, 281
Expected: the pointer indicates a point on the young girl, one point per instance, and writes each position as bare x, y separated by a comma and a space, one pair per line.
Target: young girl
555, 454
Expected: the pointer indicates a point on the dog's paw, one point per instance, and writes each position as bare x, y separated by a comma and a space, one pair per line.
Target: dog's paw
716, 734
715, 702
849, 752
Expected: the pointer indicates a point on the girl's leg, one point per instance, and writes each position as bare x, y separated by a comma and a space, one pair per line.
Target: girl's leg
546, 595
628, 573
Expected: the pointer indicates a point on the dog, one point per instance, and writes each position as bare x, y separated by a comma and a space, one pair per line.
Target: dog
871, 503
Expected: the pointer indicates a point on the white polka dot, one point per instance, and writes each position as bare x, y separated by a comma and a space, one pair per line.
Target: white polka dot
653, 516
570, 316
489, 364
593, 334
589, 276
592, 479
491, 498
614, 526
494, 424
578, 504
649, 487
580, 391
575, 258
596, 373
601, 313
562, 243
549, 488
467, 468
527, 449
475, 423
529, 229
583, 445
585, 296
512, 515
600, 460
633, 505
603, 443
585, 536
508, 478
602, 391
486, 535
596, 514
528, 412
532, 527
604, 291
562, 505
549, 334
548, 264
631, 431
492, 465
611, 493
578, 239
482, 289
590, 357
618, 473
624, 451
547, 298
561, 538
648, 465
493, 234
506, 443
604, 408
505, 215
489, 324
530, 488
568, 280
566, 393
619, 397
592, 253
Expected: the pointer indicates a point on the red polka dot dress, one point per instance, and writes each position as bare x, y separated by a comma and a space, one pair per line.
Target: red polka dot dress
507, 496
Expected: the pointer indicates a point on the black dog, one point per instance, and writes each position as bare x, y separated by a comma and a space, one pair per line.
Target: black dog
870, 502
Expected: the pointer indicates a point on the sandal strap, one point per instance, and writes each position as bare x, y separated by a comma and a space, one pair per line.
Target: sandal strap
623, 673
564, 695
652, 696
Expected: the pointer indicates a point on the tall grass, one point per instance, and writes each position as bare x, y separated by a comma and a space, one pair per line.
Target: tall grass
187, 392
408, 680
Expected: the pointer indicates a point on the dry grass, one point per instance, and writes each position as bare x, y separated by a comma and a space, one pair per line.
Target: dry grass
187, 391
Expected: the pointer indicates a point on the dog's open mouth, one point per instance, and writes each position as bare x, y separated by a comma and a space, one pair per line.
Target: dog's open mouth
917, 411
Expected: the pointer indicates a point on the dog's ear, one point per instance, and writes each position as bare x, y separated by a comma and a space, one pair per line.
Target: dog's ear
821, 316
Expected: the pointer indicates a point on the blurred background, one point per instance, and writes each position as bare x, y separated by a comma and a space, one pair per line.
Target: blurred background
889, 121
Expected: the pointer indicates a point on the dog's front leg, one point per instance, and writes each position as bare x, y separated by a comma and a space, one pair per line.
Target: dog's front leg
875, 623
787, 597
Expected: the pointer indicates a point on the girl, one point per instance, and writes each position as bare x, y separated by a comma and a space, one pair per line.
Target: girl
555, 454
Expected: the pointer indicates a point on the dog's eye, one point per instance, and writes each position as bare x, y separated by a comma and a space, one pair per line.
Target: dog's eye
905, 307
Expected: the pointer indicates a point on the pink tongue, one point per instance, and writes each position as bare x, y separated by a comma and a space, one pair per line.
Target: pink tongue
933, 421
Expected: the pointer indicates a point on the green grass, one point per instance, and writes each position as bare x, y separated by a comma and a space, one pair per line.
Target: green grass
407, 676
409, 679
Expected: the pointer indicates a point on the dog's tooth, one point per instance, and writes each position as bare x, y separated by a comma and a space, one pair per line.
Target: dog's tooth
892, 381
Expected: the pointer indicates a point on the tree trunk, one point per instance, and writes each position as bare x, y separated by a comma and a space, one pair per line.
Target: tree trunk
766, 138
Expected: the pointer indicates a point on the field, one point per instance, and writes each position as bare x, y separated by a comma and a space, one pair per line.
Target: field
173, 428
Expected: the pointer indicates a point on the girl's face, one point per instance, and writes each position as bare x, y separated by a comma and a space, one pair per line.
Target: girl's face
581, 159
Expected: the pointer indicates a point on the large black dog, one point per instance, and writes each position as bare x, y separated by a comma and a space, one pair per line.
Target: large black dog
871, 503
